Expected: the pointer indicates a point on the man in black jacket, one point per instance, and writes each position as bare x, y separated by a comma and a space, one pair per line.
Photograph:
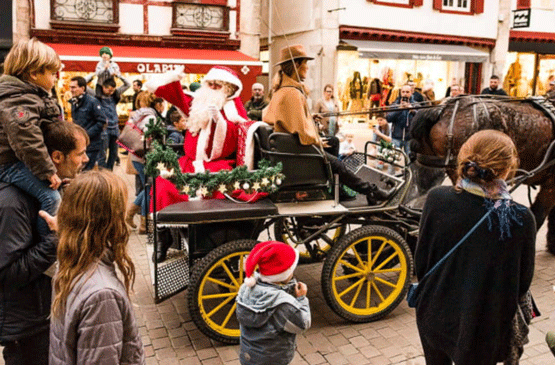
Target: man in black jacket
494, 88
87, 112
25, 289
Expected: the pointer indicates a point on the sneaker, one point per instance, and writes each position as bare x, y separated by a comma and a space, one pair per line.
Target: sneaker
550, 339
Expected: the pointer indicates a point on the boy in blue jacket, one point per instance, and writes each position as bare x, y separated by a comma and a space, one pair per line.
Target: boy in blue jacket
272, 307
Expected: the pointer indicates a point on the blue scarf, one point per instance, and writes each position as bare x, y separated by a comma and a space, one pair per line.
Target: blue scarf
497, 199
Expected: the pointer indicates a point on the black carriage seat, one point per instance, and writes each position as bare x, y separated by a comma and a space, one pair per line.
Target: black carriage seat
303, 166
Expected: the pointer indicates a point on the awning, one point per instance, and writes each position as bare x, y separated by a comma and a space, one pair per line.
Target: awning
77, 57
418, 51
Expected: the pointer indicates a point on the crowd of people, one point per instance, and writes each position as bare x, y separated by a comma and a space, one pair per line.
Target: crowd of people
65, 271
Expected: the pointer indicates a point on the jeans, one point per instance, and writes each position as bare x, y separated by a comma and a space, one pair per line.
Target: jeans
19, 175
142, 198
93, 157
109, 141
32, 350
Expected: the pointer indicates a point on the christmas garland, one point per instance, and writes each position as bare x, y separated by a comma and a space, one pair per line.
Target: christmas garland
387, 152
163, 161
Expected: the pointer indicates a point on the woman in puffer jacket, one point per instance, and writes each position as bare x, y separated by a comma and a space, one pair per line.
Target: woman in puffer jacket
92, 317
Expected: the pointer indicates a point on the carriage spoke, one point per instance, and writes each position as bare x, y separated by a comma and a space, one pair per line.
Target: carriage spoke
355, 297
387, 260
351, 287
220, 295
219, 306
377, 254
221, 283
378, 291
345, 263
358, 256
369, 248
228, 317
368, 293
387, 270
337, 278
385, 282
230, 274
241, 268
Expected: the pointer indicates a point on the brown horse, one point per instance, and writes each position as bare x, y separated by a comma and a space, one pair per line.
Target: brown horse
441, 131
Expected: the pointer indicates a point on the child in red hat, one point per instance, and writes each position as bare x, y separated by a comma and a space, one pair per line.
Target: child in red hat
272, 307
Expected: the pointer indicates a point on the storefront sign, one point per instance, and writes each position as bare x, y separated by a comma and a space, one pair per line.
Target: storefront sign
521, 18
157, 68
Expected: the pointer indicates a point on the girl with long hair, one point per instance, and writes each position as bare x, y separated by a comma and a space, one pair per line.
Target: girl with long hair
92, 317
475, 307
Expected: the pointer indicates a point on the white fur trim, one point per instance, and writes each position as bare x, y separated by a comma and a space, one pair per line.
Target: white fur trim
198, 166
223, 75
249, 145
202, 142
219, 139
171, 76
250, 281
231, 112
282, 276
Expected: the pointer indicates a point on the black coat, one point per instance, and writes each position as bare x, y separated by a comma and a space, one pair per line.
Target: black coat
466, 306
25, 292
88, 113
498, 91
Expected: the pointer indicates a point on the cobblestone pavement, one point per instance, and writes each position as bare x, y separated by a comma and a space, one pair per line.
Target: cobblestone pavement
170, 336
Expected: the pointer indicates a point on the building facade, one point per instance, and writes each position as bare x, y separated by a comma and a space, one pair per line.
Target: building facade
530, 64
146, 36
371, 47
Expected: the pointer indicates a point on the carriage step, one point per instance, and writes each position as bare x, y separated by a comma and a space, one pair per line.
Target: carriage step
170, 276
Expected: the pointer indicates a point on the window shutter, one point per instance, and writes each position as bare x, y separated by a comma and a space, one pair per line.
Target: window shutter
438, 4
416, 2
523, 4
478, 6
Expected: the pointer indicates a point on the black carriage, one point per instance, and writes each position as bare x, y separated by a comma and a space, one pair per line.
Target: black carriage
366, 250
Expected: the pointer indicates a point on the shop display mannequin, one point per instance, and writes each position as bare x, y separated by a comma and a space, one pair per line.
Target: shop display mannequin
356, 93
387, 85
511, 82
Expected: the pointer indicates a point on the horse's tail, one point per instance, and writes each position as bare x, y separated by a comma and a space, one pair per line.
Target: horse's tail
421, 126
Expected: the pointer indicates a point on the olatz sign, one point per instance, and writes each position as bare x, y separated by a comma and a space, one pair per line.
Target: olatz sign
157, 68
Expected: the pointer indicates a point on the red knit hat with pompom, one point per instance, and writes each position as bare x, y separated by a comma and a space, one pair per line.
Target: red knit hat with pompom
276, 261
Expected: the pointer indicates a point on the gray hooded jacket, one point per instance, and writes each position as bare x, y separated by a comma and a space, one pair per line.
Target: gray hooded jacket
270, 320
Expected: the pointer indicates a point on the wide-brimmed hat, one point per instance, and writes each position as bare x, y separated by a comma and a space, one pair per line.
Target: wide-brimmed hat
295, 52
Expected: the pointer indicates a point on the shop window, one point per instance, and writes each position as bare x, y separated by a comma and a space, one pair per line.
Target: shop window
194, 16
97, 15
399, 3
460, 6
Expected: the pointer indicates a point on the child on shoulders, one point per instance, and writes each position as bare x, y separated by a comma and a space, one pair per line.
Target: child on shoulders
26, 107
272, 307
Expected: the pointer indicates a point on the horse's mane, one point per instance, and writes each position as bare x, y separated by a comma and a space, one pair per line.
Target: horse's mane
423, 122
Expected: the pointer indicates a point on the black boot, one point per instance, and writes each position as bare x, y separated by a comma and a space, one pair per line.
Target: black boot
164, 243
376, 195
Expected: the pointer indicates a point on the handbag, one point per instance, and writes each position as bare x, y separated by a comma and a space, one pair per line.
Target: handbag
414, 292
131, 139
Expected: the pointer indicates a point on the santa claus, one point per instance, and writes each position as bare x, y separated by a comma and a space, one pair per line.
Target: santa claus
218, 136
214, 112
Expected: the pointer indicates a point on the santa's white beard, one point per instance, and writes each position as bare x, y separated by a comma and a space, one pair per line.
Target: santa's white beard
200, 114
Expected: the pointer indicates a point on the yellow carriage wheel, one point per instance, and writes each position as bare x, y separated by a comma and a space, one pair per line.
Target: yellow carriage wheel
290, 231
213, 287
366, 275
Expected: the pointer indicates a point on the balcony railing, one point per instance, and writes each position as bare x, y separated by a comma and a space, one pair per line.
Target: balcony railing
200, 17
79, 14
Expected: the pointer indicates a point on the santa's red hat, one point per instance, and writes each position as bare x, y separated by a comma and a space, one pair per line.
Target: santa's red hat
222, 73
276, 262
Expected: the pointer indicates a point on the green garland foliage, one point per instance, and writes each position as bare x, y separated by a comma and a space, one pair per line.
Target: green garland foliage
163, 161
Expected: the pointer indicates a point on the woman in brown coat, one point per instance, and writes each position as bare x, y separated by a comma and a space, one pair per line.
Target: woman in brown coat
288, 112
